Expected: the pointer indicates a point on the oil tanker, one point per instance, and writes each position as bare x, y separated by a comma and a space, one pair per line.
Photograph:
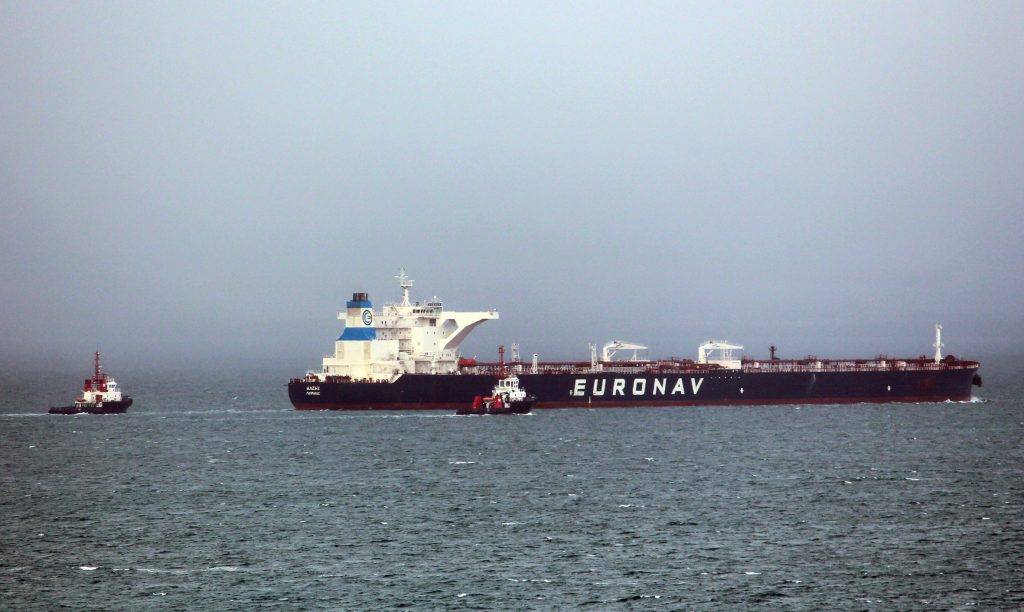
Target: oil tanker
406, 357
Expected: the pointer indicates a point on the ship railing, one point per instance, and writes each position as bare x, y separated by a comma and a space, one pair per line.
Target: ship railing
674, 366
765, 367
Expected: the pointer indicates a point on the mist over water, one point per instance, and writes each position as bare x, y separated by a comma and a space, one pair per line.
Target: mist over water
207, 186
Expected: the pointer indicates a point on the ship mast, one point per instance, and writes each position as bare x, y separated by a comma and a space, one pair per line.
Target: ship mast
404, 282
99, 379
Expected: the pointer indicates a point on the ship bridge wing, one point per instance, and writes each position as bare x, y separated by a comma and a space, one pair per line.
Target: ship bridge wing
458, 325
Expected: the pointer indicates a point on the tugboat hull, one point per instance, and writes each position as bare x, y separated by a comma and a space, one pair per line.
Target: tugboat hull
118, 407
511, 408
490, 405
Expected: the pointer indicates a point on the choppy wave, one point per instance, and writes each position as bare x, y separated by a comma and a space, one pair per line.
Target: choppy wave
683, 509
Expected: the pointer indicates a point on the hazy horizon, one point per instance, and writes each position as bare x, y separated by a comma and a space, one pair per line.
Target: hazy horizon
196, 183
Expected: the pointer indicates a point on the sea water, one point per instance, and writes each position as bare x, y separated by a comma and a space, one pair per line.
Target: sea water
212, 493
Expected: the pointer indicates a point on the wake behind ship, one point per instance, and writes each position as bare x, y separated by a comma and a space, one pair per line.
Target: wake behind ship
406, 357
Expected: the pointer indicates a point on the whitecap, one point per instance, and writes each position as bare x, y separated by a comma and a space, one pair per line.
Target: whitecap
461, 595
87, 568
914, 479
223, 568
752, 573
154, 570
461, 462
512, 523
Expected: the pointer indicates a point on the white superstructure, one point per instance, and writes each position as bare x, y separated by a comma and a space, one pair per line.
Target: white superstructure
508, 390
100, 388
405, 337
108, 392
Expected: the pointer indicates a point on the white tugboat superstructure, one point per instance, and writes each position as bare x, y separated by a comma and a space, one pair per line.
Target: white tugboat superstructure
509, 391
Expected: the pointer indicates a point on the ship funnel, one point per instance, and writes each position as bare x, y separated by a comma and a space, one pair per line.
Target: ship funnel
359, 319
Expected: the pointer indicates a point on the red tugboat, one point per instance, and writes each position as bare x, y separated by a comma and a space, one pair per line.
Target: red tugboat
100, 395
507, 397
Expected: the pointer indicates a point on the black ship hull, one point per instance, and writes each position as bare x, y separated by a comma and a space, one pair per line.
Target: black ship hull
104, 408
618, 389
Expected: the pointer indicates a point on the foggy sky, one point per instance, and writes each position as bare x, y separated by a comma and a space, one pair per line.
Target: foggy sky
209, 182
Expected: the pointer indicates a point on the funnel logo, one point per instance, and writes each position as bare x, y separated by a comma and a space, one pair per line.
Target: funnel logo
367, 317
